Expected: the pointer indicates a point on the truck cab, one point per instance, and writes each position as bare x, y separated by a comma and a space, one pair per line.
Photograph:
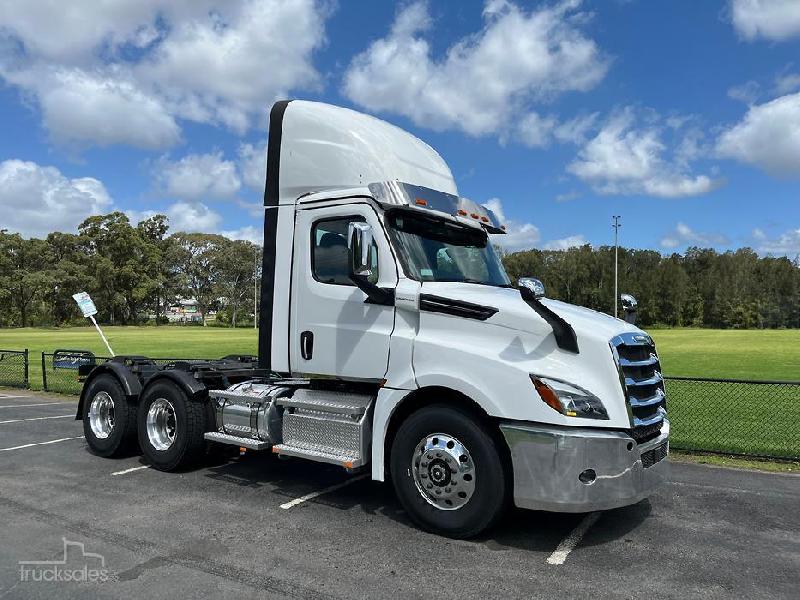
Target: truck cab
391, 340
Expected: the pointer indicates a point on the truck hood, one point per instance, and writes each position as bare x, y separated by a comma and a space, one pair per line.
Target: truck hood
514, 313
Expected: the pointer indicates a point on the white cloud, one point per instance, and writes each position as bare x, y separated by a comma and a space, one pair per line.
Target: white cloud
747, 92
683, 235
199, 176
193, 217
483, 80
627, 158
767, 136
572, 241
104, 108
787, 243
253, 165
535, 131
232, 63
770, 19
787, 83
37, 200
518, 236
139, 65
247, 233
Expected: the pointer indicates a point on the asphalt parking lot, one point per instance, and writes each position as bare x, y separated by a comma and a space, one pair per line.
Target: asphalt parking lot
258, 526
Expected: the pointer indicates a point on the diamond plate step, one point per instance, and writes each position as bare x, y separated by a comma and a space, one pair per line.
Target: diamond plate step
224, 438
341, 403
349, 462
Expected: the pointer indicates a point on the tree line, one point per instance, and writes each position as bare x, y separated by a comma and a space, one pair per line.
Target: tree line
134, 273
700, 288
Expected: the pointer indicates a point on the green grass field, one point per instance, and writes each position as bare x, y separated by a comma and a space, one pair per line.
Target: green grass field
736, 354
733, 418
156, 342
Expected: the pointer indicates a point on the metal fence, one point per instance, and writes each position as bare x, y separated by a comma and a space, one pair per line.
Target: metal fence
60, 368
726, 416
14, 368
735, 416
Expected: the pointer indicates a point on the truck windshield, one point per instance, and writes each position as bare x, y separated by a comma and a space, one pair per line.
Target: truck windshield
438, 250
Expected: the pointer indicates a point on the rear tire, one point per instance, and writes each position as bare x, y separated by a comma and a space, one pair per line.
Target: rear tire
447, 472
109, 419
171, 427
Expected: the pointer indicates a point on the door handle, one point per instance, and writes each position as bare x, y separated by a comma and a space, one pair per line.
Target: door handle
306, 345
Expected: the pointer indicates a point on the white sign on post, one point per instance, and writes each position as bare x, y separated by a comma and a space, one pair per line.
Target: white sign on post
89, 310
85, 303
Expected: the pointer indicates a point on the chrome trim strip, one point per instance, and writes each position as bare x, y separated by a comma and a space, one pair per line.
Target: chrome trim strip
631, 338
659, 416
653, 360
654, 380
652, 400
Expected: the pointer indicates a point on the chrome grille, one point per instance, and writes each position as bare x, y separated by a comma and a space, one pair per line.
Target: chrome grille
640, 375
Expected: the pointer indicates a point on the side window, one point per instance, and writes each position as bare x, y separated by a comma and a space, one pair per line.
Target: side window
329, 251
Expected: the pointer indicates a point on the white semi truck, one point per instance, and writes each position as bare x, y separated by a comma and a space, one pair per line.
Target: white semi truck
391, 340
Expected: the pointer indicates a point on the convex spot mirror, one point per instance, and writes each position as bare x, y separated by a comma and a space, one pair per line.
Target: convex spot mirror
533, 284
360, 247
629, 303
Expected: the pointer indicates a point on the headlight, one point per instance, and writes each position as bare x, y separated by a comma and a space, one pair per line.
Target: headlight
569, 399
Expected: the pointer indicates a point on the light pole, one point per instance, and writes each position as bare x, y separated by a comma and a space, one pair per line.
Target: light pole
616, 227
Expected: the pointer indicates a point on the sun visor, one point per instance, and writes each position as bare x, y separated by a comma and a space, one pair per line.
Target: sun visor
395, 193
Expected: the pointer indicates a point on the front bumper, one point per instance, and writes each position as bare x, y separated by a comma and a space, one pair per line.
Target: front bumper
548, 460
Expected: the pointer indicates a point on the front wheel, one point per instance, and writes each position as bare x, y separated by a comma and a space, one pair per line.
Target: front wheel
171, 427
447, 472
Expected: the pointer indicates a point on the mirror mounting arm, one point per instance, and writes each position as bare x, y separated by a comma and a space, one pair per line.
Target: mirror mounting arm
563, 331
375, 294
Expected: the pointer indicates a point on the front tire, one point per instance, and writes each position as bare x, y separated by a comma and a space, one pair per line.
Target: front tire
447, 472
171, 427
109, 419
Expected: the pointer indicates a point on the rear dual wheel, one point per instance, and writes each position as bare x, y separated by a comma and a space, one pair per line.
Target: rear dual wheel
171, 427
109, 418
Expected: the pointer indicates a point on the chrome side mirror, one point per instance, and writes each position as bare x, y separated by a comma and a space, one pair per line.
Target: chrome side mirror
359, 246
629, 305
533, 284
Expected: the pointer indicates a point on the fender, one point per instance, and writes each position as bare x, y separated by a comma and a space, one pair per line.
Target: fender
130, 383
183, 379
389, 401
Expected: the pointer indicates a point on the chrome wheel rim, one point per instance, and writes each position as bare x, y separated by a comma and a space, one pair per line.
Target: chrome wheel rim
101, 415
161, 424
444, 471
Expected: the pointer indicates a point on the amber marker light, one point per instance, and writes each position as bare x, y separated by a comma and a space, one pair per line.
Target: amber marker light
548, 395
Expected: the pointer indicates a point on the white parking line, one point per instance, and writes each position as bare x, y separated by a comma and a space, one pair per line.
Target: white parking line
26, 405
36, 419
568, 543
6, 396
131, 470
41, 443
313, 495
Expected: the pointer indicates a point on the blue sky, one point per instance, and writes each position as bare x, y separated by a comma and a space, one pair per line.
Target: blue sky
683, 117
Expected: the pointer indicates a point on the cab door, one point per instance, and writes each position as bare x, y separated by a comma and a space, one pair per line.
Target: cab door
333, 331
